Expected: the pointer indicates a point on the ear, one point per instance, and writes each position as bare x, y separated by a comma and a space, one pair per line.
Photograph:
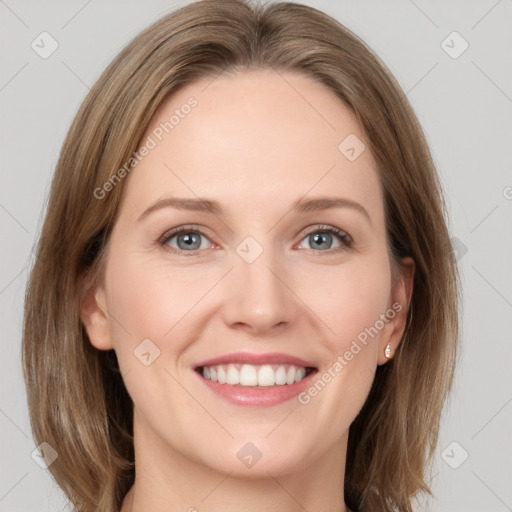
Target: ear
401, 299
93, 315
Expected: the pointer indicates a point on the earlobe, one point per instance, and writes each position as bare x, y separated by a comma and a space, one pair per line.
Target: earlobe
402, 296
94, 318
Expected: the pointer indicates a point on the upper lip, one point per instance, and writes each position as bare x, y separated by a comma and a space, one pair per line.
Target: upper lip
256, 359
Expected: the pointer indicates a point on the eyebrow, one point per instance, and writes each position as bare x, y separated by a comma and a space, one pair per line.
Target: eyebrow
210, 206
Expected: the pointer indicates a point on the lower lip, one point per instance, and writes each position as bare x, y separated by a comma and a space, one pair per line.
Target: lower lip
260, 397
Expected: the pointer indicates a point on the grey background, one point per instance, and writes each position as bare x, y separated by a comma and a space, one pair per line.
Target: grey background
464, 105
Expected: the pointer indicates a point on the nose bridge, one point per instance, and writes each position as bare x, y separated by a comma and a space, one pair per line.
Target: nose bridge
260, 298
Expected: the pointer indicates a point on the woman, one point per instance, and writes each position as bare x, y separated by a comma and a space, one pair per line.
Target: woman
244, 295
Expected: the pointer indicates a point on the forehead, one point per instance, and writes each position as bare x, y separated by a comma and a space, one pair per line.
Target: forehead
257, 137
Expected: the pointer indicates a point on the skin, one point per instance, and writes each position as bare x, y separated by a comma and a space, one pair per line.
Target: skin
256, 158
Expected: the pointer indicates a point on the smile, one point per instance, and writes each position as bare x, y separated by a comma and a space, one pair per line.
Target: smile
249, 375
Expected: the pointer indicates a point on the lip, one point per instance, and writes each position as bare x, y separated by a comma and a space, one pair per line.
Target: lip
250, 397
256, 359
257, 397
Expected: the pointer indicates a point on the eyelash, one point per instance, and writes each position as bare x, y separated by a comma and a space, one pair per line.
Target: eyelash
345, 239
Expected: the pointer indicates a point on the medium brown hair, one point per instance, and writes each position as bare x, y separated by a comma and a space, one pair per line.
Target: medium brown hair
77, 399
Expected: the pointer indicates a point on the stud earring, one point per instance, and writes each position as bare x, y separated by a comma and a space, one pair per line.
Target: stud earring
387, 352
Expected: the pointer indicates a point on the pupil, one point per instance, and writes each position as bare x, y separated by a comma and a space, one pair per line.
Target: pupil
189, 239
321, 237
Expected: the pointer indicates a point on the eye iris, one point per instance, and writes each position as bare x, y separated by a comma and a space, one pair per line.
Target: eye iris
191, 240
322, 237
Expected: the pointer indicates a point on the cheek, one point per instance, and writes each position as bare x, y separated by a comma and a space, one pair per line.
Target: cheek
139, 303
352, 299
148, 308
146, 303
352, 304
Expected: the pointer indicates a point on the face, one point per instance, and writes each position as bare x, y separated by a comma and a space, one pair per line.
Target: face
293, 294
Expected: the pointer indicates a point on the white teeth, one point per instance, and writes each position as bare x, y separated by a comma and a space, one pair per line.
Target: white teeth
290, 376
233, 375
266, 376
254, 375
281, 376
248, 375
221, 375
300, 374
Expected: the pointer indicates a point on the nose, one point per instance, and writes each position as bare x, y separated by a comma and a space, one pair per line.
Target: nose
259, 298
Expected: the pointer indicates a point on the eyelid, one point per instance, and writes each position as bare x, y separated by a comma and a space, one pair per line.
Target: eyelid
171, 233
345, 238
313, 228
